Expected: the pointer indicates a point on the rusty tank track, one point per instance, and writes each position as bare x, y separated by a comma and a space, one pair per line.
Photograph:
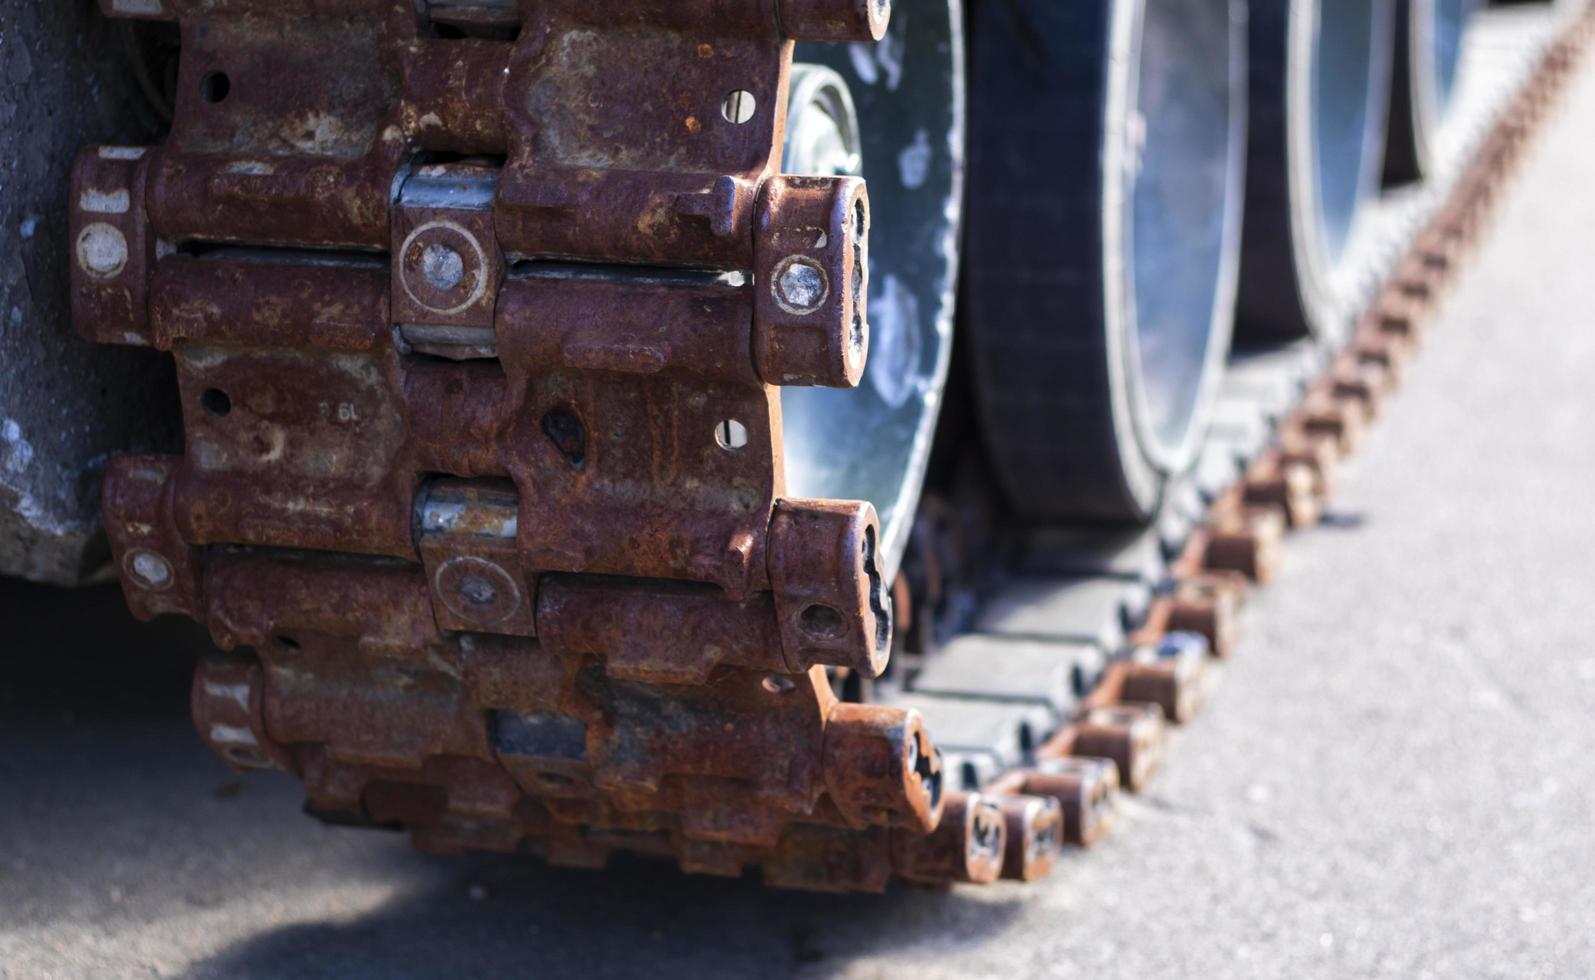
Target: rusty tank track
483, 494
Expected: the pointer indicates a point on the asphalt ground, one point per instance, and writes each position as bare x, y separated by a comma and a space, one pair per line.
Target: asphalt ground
1395, 778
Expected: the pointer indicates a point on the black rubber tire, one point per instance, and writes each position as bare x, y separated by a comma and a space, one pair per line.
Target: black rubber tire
1404, 159
1049, 396
1281, 297
1410, 144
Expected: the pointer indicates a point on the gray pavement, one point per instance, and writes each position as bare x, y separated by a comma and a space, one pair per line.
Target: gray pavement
1395, 778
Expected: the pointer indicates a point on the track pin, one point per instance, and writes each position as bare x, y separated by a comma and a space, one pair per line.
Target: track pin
1034, 826
1289, 485
1133, 735
966, 847
1206, 605
1362, 382
1086, 789
1172, 674
1321, 414
1390, 354
1241, 539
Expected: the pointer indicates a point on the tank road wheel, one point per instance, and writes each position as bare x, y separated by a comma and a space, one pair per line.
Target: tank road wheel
893, 113
1107, 159
1429, 36
1320, 74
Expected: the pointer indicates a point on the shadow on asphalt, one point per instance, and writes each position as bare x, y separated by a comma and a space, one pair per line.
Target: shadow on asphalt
1341, 520
107, 771
498, 918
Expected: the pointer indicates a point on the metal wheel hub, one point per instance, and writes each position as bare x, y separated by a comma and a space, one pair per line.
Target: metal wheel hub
891, 113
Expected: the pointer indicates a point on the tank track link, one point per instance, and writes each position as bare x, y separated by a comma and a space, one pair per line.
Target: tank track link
479, 334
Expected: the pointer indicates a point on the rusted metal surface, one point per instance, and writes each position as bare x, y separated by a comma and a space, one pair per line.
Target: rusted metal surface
969, 845
1033, 836
478, 341
483, 498
1085, 789
1133, 735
